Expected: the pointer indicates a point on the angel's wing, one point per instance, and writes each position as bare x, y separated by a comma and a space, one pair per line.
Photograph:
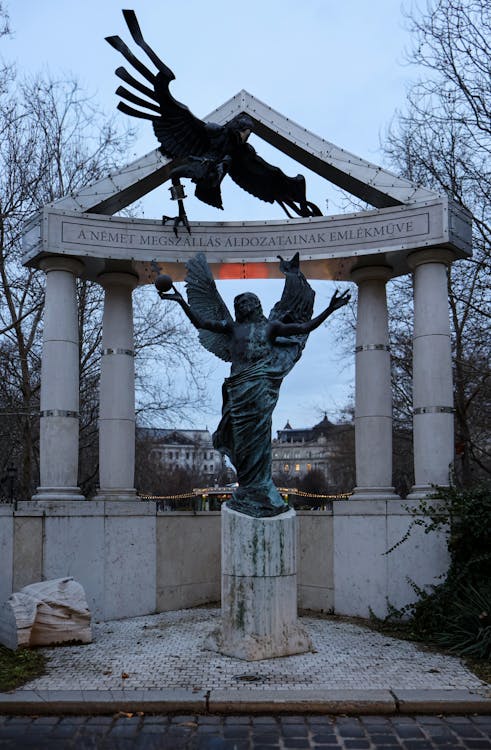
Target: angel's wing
205, 299
295, 306
297, 301
179, 132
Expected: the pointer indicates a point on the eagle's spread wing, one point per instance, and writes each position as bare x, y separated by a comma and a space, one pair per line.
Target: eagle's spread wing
204, 298
263, 180
179, 132
295, 306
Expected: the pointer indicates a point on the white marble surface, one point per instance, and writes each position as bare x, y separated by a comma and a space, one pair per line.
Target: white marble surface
432, 370
373, 408
365, 577
6, 551
130, 565
74, 545
117, 389
45, 613
58, 451
259, 588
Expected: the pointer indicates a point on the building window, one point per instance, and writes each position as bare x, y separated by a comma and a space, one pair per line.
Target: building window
309, 467
297, 467
286, 467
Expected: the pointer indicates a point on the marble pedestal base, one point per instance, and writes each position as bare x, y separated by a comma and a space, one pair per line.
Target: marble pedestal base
259, 588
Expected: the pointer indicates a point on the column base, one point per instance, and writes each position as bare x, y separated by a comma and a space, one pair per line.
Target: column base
58, 493
420, 491
374, 493
123, 494
253, 647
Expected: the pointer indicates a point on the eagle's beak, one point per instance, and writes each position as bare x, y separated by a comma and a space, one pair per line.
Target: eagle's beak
244, 134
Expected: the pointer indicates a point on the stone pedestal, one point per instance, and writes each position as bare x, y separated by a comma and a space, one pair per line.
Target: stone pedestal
259, 588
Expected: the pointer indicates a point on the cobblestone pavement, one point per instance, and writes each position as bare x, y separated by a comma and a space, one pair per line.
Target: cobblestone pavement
167, 650
244, 733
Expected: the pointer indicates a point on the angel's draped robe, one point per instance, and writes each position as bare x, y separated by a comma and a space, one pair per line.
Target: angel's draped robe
244, 432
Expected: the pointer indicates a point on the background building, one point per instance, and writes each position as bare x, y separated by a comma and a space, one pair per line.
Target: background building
322, 448
183, 450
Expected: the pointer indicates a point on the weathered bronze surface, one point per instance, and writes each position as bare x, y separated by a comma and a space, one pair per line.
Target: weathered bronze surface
262, 351
204, 152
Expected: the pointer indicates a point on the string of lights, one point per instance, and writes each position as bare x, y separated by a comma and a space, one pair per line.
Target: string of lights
212, 491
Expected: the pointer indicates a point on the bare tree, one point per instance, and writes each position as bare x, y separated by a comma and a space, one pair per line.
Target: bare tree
54, 141
49, 145
443, 141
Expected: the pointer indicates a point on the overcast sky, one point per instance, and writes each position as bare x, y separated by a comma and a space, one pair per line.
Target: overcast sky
336, 68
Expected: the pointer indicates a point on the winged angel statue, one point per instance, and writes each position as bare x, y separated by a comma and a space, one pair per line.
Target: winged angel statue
262, 352
204, 152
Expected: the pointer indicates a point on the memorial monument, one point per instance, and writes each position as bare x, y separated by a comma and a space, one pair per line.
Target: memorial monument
259, 587
114, 545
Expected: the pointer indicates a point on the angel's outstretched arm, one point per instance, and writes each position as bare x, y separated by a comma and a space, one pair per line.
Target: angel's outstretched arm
294, 329
218, 326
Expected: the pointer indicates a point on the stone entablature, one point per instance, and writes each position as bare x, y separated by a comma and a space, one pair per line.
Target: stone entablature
331, 247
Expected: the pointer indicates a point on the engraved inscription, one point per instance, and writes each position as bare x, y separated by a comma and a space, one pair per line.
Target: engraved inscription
332, 234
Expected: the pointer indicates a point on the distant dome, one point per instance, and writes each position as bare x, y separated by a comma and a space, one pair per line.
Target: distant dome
324, 427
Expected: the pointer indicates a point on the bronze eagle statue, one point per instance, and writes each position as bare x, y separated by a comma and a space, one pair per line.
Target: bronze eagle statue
204, 152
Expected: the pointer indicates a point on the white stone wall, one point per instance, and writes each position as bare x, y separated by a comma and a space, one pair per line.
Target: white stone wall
133, 561
366, 579
188, 559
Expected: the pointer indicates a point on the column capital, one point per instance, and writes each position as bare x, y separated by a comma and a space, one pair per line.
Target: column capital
431, 255
371, 273
118, 278
61, 263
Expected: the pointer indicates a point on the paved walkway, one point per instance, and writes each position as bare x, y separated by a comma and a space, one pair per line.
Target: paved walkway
167, 650
158, 664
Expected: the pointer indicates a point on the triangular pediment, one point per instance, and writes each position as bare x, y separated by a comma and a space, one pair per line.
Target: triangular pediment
366, 181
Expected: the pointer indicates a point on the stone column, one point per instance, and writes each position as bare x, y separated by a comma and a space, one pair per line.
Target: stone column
117, 390
59, 383
433, 431
373, 400
259, 588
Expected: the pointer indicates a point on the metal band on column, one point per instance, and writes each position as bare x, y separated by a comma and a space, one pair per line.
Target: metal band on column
59, 413
434, 410
372, 348
118, 350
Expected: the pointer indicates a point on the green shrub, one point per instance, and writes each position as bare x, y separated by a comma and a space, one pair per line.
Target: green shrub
456, 614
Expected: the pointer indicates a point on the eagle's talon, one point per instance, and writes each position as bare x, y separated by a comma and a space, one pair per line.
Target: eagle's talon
176, 220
